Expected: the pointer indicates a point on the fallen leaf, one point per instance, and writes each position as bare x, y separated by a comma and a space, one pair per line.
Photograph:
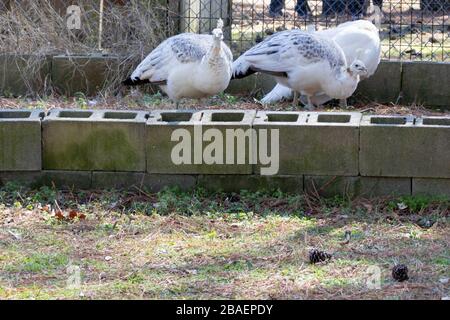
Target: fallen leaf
59, 215
73, 214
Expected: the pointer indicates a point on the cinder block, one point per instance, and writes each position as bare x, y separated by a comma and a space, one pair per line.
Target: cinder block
157, 182
431, 187
252, 84
426, 83
313, 143
237, 183
20, 74
86, 74
385, 85
330, 186
382, 186
177, 142
20, 140
160, 127
400, 146
99, 140
66, 179
24, 178
116, 180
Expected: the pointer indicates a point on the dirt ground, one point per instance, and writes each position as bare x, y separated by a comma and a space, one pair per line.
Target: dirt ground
178, 245
146, 101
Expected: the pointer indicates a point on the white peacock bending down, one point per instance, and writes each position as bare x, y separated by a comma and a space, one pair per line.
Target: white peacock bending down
358, 39
304, 62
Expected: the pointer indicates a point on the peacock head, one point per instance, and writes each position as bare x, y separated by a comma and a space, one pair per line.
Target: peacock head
357, 68
217, 32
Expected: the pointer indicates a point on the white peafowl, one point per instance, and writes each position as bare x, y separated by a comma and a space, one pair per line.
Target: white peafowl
305, 62
358, 39
187, 65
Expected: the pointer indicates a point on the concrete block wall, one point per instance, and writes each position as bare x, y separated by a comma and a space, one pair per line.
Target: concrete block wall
394, 81
69, 74
396, 146
324, 153
14, 69
194, 129
315, 143
20, 140
87, 74
104, 140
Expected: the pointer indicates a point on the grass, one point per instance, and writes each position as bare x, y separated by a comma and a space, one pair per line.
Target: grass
177, 245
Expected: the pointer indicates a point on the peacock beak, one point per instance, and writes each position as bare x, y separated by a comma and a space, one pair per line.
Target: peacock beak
363, 70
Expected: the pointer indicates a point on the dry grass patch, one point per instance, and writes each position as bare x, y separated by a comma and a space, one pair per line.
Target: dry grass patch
195, 245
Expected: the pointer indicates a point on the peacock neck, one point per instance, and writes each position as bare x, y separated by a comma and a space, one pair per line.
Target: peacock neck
214, 55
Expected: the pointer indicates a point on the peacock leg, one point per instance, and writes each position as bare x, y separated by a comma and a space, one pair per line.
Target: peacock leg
309, 105
295, 100
343, 103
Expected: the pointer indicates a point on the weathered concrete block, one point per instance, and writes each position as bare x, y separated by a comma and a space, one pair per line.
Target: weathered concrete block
20, 140
381, 186
177, 142
431, 187
24, 178
236, 183
157, 182
116, 180
66, 179
314, 143
20, 75
395, 146
426, 83
94, 140
86, 74
330, 186
385, 85
252, 84
159, 145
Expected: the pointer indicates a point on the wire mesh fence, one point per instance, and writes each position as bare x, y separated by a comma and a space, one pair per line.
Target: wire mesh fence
409, 29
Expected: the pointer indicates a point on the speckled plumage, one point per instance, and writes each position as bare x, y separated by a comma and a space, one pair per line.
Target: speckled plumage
284, 46
187, 50
188, 65
311, 47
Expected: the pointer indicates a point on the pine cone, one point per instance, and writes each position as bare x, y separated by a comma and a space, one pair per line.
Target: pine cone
316, 256
400, 272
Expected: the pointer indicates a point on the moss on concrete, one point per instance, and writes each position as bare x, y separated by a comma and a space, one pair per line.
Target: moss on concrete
102, 149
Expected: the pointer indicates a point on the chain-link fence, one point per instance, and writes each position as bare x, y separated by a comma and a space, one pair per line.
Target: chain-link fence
409, 29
